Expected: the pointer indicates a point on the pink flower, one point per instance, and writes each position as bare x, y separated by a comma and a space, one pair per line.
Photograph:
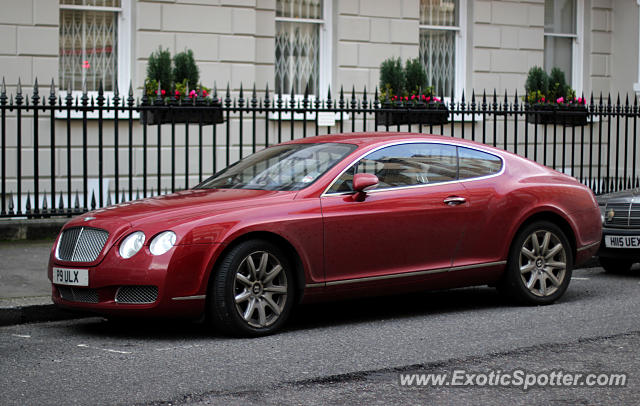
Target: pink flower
406, 98
560, 100
193, 93
543, 99
428, 98
413, 96
580, 100
204, 92
436, 99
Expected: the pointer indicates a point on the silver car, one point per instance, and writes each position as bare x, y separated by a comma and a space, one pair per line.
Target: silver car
620, 246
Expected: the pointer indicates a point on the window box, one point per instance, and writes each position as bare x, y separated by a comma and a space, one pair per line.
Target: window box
203, 112
574, 115
419, 113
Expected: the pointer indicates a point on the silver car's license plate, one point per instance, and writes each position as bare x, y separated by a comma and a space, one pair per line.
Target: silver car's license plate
622, 241
74, 277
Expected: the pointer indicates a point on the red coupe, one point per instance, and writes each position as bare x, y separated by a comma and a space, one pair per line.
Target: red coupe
327, 217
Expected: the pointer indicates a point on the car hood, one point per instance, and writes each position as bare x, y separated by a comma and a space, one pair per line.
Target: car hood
177, 207
622, 195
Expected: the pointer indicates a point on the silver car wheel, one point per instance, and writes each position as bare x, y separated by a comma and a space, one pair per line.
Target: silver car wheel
543, 263
260, 289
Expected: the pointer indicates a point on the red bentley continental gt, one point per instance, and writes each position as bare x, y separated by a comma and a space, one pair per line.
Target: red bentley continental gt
327, 217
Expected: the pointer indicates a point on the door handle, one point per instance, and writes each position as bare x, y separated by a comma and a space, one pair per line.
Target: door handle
454, 200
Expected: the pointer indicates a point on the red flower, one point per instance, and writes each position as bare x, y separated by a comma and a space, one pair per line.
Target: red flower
204, 92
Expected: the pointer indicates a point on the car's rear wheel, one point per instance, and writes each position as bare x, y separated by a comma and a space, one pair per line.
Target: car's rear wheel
251, 293
539, 265
616, 265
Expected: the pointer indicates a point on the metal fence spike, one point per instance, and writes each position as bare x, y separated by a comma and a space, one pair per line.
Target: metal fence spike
93, 200
11, 206
61, 203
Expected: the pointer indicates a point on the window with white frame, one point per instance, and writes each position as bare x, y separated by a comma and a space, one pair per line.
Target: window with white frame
92, 35
302, 54
442, 44
563, 38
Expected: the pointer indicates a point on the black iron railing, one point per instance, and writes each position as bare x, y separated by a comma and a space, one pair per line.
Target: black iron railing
64, 155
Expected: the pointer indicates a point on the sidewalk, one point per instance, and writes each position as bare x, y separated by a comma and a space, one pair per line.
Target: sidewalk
25, 290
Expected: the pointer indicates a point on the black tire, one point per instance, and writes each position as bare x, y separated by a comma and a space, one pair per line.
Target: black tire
529, 272
265, 300
616, 265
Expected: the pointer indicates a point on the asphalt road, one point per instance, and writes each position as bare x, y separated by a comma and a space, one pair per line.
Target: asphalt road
342, 353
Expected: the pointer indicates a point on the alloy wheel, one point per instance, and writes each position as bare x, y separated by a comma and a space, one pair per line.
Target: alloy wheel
543, 263
260, 289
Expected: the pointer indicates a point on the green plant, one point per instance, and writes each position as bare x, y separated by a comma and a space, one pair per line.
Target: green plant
558, 85
415, 77
185, 68
159, 71
392, 77
553, 88
537, 81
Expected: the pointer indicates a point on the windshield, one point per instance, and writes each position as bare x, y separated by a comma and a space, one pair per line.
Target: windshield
283, 167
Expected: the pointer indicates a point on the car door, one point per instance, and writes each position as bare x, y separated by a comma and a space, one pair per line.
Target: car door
486, 236
410, 222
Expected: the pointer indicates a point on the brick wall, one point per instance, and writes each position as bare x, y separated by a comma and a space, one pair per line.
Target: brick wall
507, 39
232, 40
369, 31
29, 41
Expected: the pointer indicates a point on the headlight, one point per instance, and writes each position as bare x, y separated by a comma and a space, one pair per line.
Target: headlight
132, 244
162, 242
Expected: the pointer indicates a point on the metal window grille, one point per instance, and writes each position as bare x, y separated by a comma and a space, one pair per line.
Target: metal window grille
297, 51
88, 44
439, 24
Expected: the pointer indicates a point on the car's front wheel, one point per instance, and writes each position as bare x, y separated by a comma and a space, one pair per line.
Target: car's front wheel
616, 265
539, 265
251, 293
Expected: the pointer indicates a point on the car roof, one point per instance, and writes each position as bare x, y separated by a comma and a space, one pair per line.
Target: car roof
368, 138
365, 139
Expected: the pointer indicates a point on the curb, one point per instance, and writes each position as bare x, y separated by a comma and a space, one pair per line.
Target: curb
34, 229
35, 313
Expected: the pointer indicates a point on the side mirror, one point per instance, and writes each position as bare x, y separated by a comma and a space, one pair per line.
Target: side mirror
364, 181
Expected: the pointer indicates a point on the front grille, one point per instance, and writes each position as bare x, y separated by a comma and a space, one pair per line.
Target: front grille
81, 244
84, 295
634, 218
137, 294
620, 216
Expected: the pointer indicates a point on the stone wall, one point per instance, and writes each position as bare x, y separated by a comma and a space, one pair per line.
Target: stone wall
29, 41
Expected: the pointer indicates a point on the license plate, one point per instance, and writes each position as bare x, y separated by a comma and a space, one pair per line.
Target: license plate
74, 277
622, 241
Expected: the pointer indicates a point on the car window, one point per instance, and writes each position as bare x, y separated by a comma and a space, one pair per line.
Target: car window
404, 165
475, 163
282, 167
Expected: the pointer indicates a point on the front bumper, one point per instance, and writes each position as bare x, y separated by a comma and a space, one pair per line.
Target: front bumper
180, 277
629, 253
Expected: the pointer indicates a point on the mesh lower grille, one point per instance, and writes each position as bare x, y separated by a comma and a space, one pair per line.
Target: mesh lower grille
81, 244
84, 295
137, 294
